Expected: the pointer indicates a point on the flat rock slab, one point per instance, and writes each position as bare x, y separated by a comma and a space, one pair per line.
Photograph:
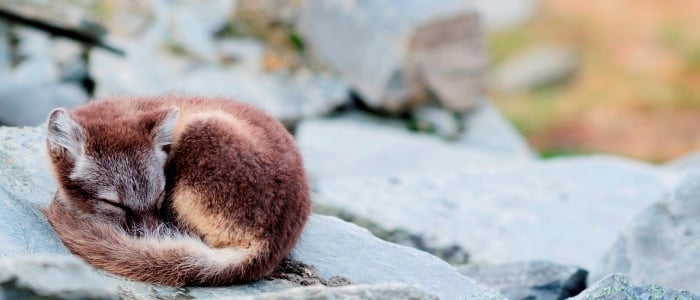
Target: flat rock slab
368, 292
619, 287
333, 247
358, 145
662, 244
524, 212
534, 280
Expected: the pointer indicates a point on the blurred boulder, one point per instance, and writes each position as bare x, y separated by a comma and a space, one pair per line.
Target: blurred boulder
496, 213
35, 263
619, 287
258, 15
4, 48
368, 146
245, 54
662, 244
194, 24
29, 105
487, 129
36, 63
533, 280
398, 56
686, 163
150, 71
503, 14
436, 120
536, 67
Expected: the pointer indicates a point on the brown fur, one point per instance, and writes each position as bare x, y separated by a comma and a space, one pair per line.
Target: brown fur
234, 180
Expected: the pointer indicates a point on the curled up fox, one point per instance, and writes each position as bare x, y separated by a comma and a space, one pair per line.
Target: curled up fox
176, 190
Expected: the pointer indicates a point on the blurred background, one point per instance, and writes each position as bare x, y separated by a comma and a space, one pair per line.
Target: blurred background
573, 77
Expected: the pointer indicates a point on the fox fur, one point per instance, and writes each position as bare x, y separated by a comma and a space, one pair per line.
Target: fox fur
176, 190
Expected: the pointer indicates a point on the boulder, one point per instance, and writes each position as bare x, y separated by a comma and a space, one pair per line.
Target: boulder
686, 163
536, 67
662, 244
369, 146
503, 14
618, 287
369, 292
487, 129
29, 247
496, 214
4, 48
148, 70
29, 105
397, 55
533, 280
192, 27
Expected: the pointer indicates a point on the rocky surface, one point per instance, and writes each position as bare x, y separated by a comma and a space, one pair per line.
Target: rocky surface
393, 54
536, 67
332, 247
487, 129
370, 292
535, 280
502, 214
662, 244
618, 287
364, 145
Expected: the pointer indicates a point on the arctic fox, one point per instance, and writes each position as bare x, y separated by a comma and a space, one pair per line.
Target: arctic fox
176, 190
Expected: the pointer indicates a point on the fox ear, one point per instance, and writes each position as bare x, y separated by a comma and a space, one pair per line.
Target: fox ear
64, 134
164, 131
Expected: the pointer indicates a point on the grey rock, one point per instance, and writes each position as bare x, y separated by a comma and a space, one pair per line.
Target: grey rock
4, 48
369, 292
327, 238
38, 65
366, 146
245, 54
536, 67
64, 276
502, 14
189, 26
535, 280
662, 244
449, 60
29, 105
497, 214
686, 163
333, 247
189, 33
390, 54
486, 128
148, 71
54, 277
25, 186
619, 287
266, 13
289, 99
145, 70
437, 120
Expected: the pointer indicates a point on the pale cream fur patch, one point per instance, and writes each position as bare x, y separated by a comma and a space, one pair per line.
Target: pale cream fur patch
216, 229
237, 126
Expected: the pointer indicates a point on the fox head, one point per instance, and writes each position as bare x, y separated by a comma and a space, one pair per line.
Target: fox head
112, 168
